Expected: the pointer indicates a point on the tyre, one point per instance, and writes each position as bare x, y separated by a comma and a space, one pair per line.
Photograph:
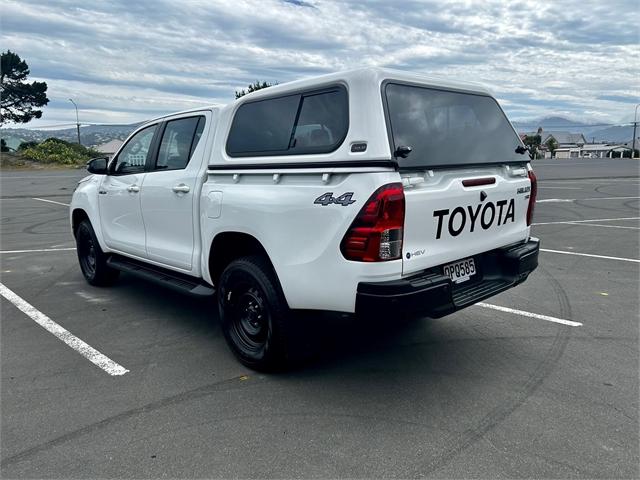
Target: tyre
254, 313
93, 261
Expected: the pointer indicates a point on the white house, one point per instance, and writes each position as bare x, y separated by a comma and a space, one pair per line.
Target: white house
592, 150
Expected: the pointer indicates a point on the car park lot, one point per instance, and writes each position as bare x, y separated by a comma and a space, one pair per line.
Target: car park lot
540, 381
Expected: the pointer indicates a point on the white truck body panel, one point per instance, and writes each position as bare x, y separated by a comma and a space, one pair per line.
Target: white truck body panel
300, 238
121, 214
477, 226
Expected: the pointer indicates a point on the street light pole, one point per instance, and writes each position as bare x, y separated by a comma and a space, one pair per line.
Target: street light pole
77, 120
635, 123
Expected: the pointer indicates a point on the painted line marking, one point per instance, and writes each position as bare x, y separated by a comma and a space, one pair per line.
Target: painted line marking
561, 200
87, 351
571, 323
39, 250
588, 221
591, 181
600, 225
563, 165
562, 188
578, 254
50, 201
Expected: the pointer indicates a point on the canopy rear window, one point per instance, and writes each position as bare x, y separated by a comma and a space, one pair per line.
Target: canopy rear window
446, 128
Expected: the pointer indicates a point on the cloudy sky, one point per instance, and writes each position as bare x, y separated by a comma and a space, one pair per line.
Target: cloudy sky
125, 61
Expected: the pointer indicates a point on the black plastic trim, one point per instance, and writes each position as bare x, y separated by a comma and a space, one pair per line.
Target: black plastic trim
430, 293
170, 279
292, 165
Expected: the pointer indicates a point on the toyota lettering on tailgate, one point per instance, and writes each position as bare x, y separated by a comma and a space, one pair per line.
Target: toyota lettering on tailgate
483, 215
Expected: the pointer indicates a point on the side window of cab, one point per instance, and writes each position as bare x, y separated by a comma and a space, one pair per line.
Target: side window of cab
179, 140
133, 156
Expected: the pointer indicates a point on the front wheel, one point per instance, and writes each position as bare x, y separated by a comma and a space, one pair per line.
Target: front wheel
93, 261
254, 313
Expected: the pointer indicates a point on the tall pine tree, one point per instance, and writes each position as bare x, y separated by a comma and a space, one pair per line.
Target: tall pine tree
19, 99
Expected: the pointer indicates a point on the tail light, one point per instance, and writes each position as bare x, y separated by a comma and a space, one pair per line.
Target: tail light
376, 233
532, 196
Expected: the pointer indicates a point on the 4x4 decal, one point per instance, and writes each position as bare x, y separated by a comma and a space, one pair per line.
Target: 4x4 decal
327, 199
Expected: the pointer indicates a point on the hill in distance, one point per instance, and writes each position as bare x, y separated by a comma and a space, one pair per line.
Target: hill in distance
90, 135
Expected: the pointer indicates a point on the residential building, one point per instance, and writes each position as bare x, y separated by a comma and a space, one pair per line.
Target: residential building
592, 150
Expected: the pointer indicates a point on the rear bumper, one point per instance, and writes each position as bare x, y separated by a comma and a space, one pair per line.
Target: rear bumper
430, 293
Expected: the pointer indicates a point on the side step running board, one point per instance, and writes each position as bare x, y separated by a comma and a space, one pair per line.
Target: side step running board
168, 278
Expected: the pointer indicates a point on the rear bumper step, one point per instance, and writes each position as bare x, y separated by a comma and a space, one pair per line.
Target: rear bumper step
168, 278
430, 293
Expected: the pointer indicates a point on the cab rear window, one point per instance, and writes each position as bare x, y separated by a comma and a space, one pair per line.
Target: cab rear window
446, 128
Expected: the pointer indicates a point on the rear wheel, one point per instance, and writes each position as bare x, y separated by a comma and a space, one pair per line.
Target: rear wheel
93, 261
254, 313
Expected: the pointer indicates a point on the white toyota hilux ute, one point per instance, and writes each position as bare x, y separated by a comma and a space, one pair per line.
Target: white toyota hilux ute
367, 192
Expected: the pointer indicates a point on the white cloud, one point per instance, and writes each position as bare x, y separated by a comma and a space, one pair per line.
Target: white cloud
127, 61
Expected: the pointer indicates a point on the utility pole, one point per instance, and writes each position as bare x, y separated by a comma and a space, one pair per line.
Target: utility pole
77, 120
635, 124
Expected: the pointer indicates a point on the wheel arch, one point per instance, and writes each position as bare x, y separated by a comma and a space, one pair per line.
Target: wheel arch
228, 246
77, 216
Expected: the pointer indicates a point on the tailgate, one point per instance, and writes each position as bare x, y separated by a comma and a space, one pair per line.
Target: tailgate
457, 213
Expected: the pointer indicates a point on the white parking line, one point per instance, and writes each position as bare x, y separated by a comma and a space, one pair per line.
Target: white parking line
605, 257
571, 323
605, 226
39, 250
591, 184
561, 200
87, 351
50, 201
587, 221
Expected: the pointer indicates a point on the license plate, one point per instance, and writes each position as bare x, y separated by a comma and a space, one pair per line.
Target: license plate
460, 271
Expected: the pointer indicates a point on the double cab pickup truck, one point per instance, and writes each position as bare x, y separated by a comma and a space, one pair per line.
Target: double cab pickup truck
367, 192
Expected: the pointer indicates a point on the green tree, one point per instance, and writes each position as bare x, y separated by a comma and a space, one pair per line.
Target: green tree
19, 99
533, 142
3, 146
27, 144
255, 86
551, 145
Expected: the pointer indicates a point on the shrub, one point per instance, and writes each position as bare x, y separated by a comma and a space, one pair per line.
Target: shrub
54, 150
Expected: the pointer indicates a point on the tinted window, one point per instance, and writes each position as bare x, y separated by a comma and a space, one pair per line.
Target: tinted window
178, 142
295, 124
263, 126
322, 122
133, 156
449, 128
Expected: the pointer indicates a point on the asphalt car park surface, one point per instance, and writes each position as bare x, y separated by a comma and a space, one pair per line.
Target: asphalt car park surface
540, 381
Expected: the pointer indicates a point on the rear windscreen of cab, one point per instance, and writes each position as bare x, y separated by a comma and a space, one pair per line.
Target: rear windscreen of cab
448, 128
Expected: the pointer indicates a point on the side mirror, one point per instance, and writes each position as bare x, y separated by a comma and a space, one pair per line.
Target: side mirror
98, 166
